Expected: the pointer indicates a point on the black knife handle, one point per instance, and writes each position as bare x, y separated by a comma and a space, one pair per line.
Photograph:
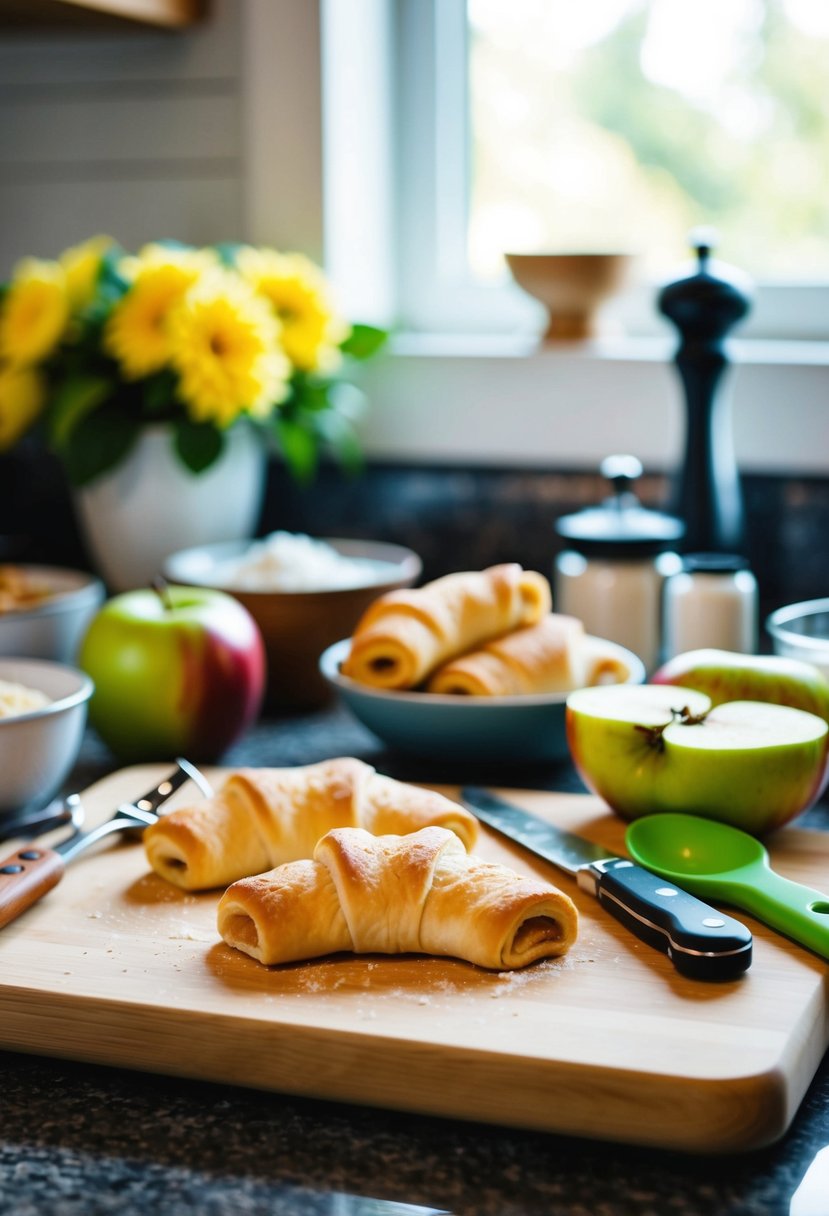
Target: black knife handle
700, 941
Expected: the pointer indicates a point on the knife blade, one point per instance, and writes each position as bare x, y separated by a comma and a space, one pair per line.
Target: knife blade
356, 1205
701, 942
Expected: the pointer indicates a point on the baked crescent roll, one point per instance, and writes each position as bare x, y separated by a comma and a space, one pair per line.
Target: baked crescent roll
553, 656
603, 667
263, 817
546, 657
421, 893
405, 635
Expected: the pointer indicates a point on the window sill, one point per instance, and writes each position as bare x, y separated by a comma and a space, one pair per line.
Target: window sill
623, 348
507, 400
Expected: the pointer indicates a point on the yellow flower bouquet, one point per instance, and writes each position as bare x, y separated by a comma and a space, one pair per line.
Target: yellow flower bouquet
99, 344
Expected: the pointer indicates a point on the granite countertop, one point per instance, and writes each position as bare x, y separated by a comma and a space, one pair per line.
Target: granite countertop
79, 1140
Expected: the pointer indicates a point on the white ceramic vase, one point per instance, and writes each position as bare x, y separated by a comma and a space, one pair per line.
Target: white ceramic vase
150, 505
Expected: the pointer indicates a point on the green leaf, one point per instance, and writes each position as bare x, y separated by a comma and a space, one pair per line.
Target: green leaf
198, 444
348, 400
159, 392
111, 279
226, 251
171, 242
98, 443
300, 447
363, 341
340, 436
72, 402
310, 395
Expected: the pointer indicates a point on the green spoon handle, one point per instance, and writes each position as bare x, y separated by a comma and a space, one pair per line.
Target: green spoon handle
800, 912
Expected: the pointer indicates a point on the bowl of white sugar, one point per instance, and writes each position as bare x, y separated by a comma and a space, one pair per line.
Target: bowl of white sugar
42, 719
304, 594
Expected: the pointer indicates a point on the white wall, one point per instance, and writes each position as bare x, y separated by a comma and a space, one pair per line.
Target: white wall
520, 404
137, 135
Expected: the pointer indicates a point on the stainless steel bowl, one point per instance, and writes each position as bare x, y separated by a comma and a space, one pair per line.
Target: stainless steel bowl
39, 747
52, 628
801, 631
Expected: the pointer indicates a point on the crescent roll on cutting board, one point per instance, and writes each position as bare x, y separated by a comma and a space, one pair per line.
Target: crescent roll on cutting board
263, 817
421, 893
405, 635
553, 656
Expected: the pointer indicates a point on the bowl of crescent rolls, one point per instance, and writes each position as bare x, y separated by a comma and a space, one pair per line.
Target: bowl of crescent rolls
474, 666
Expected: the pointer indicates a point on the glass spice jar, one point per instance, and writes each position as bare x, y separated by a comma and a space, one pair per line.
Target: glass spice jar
711, 602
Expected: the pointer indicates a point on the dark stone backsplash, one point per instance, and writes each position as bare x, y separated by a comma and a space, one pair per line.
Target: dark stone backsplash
454, 517
459, 518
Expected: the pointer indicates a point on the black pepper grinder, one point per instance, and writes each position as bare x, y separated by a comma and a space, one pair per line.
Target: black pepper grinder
704, 307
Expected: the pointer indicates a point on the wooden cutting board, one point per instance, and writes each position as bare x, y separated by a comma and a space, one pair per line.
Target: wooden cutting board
117, 967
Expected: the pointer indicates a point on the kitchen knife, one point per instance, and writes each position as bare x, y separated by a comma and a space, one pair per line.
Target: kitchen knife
700, 941
356, 1205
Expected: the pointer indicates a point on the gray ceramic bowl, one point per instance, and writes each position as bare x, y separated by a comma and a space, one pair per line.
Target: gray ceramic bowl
54, 628
38, 748
503, 730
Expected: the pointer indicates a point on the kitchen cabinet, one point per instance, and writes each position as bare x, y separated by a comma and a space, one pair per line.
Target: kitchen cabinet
26, 15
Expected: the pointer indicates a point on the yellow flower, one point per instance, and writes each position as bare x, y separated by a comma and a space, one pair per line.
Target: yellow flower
81, 265
298, 292
34, 312
22, 396
192, 262
136, 333
225, 347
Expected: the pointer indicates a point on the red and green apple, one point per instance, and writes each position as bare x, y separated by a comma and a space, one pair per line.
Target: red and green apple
177, 671
726, 676
649, 748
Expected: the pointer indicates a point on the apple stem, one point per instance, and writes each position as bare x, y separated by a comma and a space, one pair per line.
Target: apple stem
162, 589
653, 734
684, 716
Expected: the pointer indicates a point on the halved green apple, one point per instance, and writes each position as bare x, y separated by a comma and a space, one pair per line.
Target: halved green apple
649, 748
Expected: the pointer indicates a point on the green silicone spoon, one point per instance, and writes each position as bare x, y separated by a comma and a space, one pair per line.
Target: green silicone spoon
714, 860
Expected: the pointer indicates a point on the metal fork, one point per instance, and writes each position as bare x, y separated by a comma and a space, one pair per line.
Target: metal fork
28, 874
36, 823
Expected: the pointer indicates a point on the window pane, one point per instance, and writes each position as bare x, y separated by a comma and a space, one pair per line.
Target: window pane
599, 124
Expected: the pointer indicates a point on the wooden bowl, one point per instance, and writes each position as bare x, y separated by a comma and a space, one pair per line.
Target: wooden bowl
571, 286
297, 626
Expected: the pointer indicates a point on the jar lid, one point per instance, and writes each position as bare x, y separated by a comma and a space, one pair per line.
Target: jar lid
620, 527
713, 563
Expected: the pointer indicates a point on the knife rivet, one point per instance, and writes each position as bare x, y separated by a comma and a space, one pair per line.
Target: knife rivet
713, 922
29, 855
11, 869
667, 891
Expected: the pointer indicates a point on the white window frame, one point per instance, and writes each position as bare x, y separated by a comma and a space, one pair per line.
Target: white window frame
437, 292
448, 395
